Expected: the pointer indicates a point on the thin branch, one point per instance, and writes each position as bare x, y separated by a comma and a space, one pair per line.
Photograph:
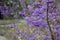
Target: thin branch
52, 37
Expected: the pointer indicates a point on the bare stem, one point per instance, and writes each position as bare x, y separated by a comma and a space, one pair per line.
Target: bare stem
52, 37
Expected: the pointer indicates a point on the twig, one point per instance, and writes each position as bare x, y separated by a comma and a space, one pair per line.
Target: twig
52, 37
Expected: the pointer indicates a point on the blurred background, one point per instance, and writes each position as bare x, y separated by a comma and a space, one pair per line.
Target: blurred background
10, 13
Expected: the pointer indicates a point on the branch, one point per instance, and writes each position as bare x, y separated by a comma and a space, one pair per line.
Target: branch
52, 37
